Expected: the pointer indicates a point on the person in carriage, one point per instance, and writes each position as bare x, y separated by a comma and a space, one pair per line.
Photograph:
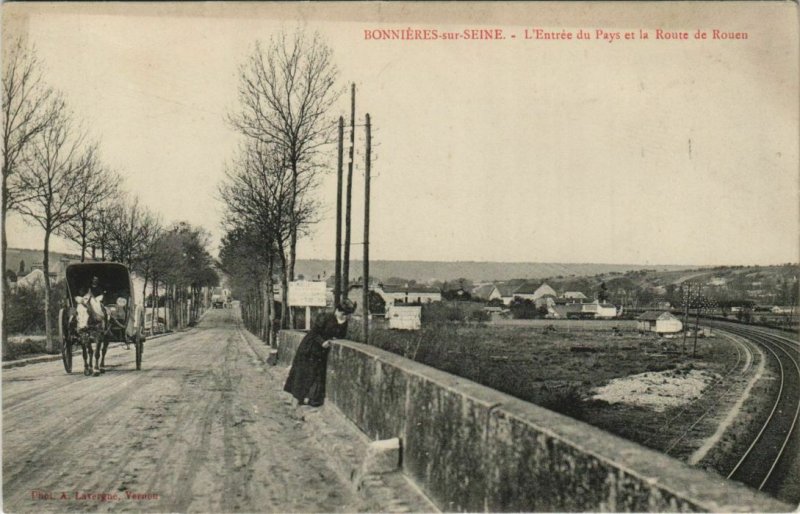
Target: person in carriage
94, 288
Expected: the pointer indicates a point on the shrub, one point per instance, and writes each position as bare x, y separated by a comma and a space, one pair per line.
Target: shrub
565, 401
438, 312
480, 316
20, 349
496, 302
25, 309
523, 309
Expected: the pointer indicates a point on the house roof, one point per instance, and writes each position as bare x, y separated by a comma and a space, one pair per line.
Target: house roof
536, 290
505, 290
654, 315
483, 291
575, 294
545, 290
527, 288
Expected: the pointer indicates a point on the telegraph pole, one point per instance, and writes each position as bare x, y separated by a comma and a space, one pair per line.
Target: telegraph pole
365, 300
337, 288
346, 264
696, 324
686, 296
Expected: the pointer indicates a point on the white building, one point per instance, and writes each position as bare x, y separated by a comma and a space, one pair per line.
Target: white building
660, 322
411, 293
600, 310
539, 295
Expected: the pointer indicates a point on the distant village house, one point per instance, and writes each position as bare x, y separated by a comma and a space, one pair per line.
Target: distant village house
660, 322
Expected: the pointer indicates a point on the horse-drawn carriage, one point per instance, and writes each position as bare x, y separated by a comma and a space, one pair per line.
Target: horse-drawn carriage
100, 309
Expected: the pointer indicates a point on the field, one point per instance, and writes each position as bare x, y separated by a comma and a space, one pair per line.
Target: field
570, 325
563, 369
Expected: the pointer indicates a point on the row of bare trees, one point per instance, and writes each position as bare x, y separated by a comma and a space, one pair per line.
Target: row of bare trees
51, 170
286, 91
55, 179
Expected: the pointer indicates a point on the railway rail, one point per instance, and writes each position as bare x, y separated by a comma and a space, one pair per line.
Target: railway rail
720, 389
770, 462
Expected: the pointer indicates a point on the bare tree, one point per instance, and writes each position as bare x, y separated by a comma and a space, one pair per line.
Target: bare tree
286, 91
52, 174
256, 192
183, 263
146, 261
129, 228
100, 235
28, 107
99, 186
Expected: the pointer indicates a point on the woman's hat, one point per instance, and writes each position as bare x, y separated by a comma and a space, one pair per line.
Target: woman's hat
347, 306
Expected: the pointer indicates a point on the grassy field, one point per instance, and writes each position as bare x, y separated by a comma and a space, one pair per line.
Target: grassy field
558, 370
570, 325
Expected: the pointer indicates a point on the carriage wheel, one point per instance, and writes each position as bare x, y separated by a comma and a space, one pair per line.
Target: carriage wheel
139, 344
66, 341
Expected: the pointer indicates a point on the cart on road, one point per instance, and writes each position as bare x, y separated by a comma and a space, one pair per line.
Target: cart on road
125, 318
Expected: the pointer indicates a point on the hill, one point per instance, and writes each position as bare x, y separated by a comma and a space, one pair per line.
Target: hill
428, 271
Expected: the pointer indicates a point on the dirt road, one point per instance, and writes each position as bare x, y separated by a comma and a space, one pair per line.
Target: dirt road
199, 428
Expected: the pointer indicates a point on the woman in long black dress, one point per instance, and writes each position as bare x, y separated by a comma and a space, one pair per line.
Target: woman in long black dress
306, 381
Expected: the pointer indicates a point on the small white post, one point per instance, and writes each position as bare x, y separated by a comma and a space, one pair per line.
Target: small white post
308, 317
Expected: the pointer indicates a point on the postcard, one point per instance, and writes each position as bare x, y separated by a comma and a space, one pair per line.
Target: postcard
400, 256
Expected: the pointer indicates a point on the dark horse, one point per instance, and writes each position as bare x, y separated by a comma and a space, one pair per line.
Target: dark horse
92, 322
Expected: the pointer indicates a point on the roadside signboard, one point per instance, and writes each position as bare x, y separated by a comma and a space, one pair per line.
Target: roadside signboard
303, 293
404, 318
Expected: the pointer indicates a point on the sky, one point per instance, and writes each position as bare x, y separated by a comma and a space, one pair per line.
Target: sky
516, 150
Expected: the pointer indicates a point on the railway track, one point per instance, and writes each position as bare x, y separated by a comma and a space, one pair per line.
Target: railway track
717, 390
770, 462
720, 389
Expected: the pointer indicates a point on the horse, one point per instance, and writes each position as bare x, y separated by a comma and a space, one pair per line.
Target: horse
92, 327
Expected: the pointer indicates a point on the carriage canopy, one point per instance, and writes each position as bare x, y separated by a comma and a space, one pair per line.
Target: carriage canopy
114, 278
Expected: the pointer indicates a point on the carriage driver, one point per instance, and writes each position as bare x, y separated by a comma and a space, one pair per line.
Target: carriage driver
94, 289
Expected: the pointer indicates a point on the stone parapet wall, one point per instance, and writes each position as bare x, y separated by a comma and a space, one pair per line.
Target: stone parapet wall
471, 448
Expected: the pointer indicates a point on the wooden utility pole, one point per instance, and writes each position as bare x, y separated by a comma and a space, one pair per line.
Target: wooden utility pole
337, 288
346, 264
698, 306
365, 300
686, 297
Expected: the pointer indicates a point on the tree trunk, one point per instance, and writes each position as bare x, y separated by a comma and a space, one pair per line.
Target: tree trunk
170, 303
293, 232
262, 306
270, 303
286, 312
6, 284
83, 240
154, 303
49, 346
144, 289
